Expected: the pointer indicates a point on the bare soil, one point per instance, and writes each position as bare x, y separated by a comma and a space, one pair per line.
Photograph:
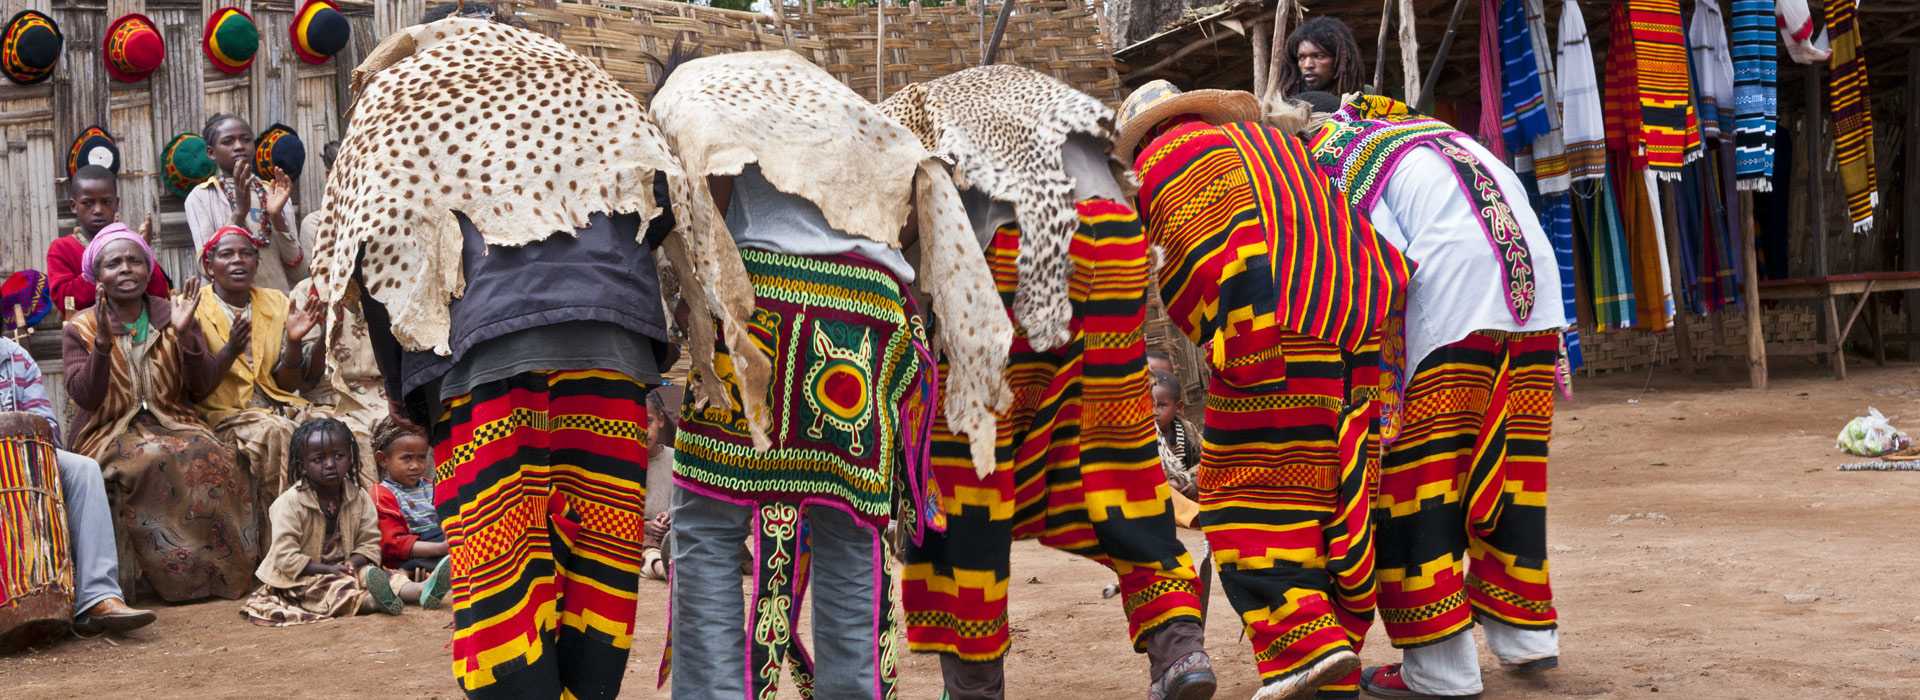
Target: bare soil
1704, 546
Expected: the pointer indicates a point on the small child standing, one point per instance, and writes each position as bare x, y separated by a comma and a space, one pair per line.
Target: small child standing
321, 563
663, 410
410, 536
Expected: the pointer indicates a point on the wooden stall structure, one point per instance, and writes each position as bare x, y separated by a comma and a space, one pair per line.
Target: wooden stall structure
1230, 45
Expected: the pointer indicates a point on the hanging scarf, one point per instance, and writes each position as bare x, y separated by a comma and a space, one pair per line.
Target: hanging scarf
1613, 305
1713, 66
1491, 135
1669, 127
1852, 116
1625, 138
1549, 149
1582, 128
1360, 153
1523, 109
1756, 105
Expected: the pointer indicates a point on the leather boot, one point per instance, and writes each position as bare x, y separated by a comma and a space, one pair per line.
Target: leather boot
112, 615
973, 680
1178, 661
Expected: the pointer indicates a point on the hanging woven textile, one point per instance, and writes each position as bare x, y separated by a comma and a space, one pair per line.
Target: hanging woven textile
1668, 124
1640, 228
1755, 100
1523, 109
1612, 280
1713, 70
1852, 116
1491, 133
1582, 126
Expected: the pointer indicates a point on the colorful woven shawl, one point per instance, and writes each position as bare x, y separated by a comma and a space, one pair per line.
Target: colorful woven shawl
1235, 200
1756, 106
1360, 154
1852, 116
1612, 281
1625, 138
1491, 133
1582, 128
1668, 123
1550, 149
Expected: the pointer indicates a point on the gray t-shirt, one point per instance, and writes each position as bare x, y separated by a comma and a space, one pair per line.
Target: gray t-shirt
765, 218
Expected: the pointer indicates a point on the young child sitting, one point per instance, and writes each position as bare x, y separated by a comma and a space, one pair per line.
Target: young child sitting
322, 560
410, 536
663, 409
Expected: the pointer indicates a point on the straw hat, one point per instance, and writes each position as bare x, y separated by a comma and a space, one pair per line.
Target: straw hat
1159, 100
133, 48
29, 46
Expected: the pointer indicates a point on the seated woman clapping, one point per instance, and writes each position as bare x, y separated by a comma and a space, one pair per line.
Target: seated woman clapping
134, 366
268, 352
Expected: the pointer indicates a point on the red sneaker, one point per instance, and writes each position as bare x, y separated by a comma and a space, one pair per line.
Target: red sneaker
1386, 682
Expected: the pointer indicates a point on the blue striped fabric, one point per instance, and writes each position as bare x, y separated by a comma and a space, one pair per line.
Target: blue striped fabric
1556, 217
1523, 115
1756, 104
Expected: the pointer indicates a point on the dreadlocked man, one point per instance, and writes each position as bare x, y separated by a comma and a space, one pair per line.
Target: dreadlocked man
1323, 56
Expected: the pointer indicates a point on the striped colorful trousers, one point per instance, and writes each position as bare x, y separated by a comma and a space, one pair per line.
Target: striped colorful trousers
541, 486
1290, 463
1078, 468
1462, 509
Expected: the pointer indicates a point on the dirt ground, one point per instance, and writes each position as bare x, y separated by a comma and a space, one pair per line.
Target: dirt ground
1704, 546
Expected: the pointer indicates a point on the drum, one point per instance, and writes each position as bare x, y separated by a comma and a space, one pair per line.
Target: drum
36, 569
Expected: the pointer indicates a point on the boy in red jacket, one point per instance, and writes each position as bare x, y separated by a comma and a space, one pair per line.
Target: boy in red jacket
94, 196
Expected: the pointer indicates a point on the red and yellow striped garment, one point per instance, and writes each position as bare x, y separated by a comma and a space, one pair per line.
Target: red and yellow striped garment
1078, 466
541, 486
1467, 481
1270, 270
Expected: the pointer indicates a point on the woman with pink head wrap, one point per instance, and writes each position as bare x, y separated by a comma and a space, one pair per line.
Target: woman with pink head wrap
135, 364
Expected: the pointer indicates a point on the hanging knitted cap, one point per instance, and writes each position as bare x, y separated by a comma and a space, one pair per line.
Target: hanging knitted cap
134, 49
231, 40
319, 31
279, 149
24, 294
29, 47
185, 163
93, 147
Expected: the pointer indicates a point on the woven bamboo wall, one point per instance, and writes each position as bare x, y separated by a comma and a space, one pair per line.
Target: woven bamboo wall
630, 37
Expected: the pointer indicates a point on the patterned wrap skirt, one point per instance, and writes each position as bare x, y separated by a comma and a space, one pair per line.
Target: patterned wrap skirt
1462, 507
540, 485
852, 399
1078, 464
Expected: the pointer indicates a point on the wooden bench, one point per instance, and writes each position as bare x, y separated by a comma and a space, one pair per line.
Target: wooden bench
1825, 292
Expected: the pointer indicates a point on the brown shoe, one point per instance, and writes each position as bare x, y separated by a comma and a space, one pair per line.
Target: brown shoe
112, 615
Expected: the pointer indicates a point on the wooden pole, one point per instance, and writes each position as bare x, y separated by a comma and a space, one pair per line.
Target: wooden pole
1380, 45
879, 51
999, 30
1756, 334
1261, 38
1276, 51
1910, 206
1424, 101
